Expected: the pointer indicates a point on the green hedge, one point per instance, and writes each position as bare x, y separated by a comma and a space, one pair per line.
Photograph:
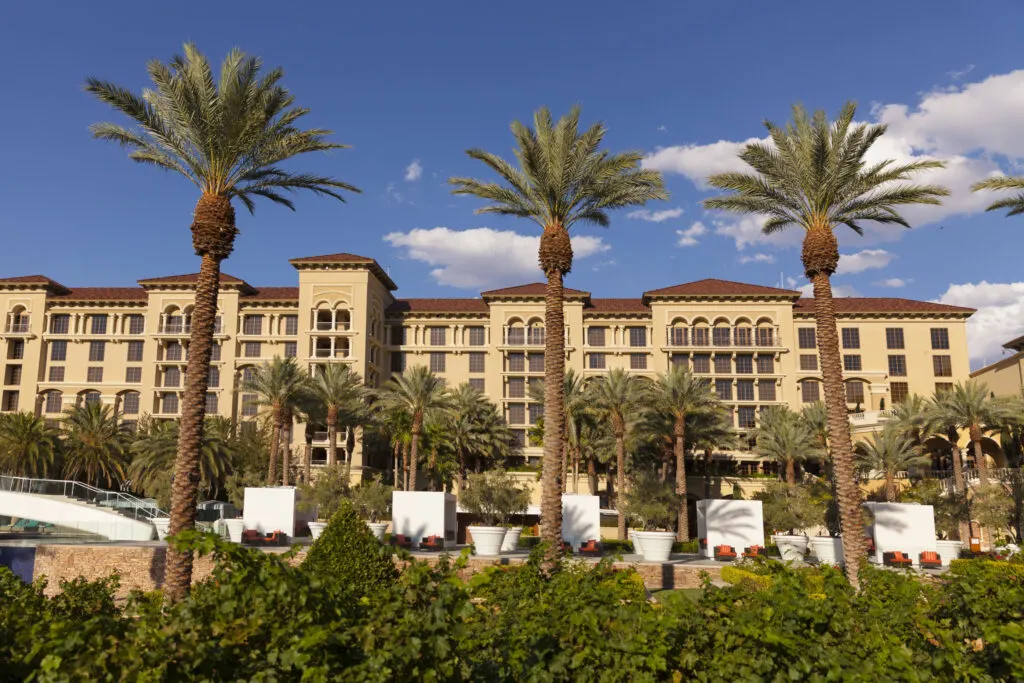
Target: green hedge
741, 577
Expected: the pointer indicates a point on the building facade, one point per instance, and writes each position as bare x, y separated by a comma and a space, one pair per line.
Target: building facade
1005, 377
128, 346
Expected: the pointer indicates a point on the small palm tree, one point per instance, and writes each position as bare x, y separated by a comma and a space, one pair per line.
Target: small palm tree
227, 137
969, 406
156, 446
475, 429
886, 454
786, 438
280, 386
1014, 203
911, 417
340, 392
676, 394
28, 446
618, 396
813, 175
563, 178
595, 442
94, 445
708, 430
816, 417
420, 393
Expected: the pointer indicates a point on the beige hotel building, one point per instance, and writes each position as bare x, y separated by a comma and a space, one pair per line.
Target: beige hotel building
127, 346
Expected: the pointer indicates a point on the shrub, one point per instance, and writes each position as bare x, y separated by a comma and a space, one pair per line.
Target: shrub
691, 547
348, 552
326, 493
788, 508
372, 499
494, 497
741, 577
651, 503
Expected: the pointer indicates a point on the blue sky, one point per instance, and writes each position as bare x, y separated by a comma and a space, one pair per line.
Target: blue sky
412, 85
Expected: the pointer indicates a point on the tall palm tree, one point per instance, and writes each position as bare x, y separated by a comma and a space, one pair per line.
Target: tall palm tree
227, 137
563, 178
786, 438
575, 405
707, 430
969, 406
340, 392
618, 396
156, 446
94, 445
1014, 203
420, 393
280, 386
911, 416
475, 428
816, 417
678, 393
813, 175
28, 446
595, 441
887, 453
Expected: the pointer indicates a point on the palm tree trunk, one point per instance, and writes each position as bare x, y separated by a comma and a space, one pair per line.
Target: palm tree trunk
564, 467
405, 463
708, 458
414, 452
213, 233
308, 464
576, 470
332, 435
462, 470
979, 455
683, 523
592, 476
275, 444
555, 240
890, 487
620, 479
286, 452
396, 454
431, 467
847, 493
791, 472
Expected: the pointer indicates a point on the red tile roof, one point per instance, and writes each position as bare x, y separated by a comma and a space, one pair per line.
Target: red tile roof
189, 278
534, 289
333, 258
33, 280
272, 294
880, 305
616, 306
437, 306
715, 287
104, 294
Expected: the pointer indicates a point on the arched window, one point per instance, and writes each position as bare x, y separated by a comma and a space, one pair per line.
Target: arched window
130, 403
54, 402
90, 397
18, 320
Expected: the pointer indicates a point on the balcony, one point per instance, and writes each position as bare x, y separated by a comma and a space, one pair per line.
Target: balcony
17, 328
331, 353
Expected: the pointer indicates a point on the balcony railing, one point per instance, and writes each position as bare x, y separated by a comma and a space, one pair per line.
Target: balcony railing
175, 328
685, 337
327, 353
17, 328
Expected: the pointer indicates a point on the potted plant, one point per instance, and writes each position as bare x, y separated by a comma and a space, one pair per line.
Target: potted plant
372, 500
786, 510
323, 497
654, 505
493, 497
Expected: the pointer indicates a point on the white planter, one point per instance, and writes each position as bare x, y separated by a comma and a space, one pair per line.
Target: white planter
948, 550
161, 524
316, 528
235, 529
827, 549
792, 548
378, 529
635, 541
487, 540
656, 546
511, 541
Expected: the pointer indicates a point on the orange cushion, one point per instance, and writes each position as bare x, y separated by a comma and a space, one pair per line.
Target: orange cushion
929, 555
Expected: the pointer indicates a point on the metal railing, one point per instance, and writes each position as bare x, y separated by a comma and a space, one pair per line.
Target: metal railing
17, 328
115, 501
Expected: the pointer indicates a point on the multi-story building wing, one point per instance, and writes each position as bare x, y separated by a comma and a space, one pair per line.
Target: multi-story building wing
757, 346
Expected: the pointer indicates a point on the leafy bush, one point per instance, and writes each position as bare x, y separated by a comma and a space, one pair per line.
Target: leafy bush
326, 493
372, 499
690, 547
494, 496
741, 577
789, 508
348, 551
651, 502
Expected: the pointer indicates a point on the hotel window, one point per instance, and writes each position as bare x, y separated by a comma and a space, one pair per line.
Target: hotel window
132, 375
130, 403
173, 351
516, 413
13, 374
765, 336
248, 374
98, 324
701, 363
855, 392
252, 324
943, 366
253, 349
57, 373
723, 364
851, 337
477, 383
477, 361
745, 390
211, 403
766, 390
516, 336
517, 362
806, 338
169, 404
516, 387
213, 378
638, 361
898, 391
596, 361
943, 387
746, 417
215, 352
438, 361
93, 375
744, 365
595, 336
136, 324
58, 350
91, 397
397, 361
291, 325
535, 386
809, 392
438, 336
535, 335
398, 334
291, 349
174, 324
97, 351
678, 336
720, 336
477, 336
536, 412
766, 365
60, 323
700, 336
680, 360
172, 377
898, 366
519, 436
54, 402
135, 351
894, 338
536, 362
851, 363
742, 336
637, 336
218, 324
940, 338
723, 388
10, 401
16, 349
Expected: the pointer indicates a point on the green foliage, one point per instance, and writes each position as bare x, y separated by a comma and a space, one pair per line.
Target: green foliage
372, 499
950, 508
746, 579
494, 496
992, 506
28, 447
650, 502
789, 508
347, 551
326, 493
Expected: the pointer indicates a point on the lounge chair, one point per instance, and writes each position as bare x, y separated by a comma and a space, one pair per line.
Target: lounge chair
432, 543
930, 559
725, 553
400, 541
591, 549
755, 551
897, 558
251, 537
277, 537
566, 548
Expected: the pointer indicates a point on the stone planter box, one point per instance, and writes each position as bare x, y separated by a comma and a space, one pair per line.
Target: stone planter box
511, 541
316, 528
792, 548
656, 545
948, 550
487, 540
828, 550
378, 529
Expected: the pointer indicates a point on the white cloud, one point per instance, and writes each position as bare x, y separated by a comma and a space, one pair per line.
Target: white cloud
697, 162
868, 259
656, 216
893, 282
414, 171
837, 290
747, 231
688, 237
601, 265
662, 129
999, 319
758, 258
482, 258
958, 74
